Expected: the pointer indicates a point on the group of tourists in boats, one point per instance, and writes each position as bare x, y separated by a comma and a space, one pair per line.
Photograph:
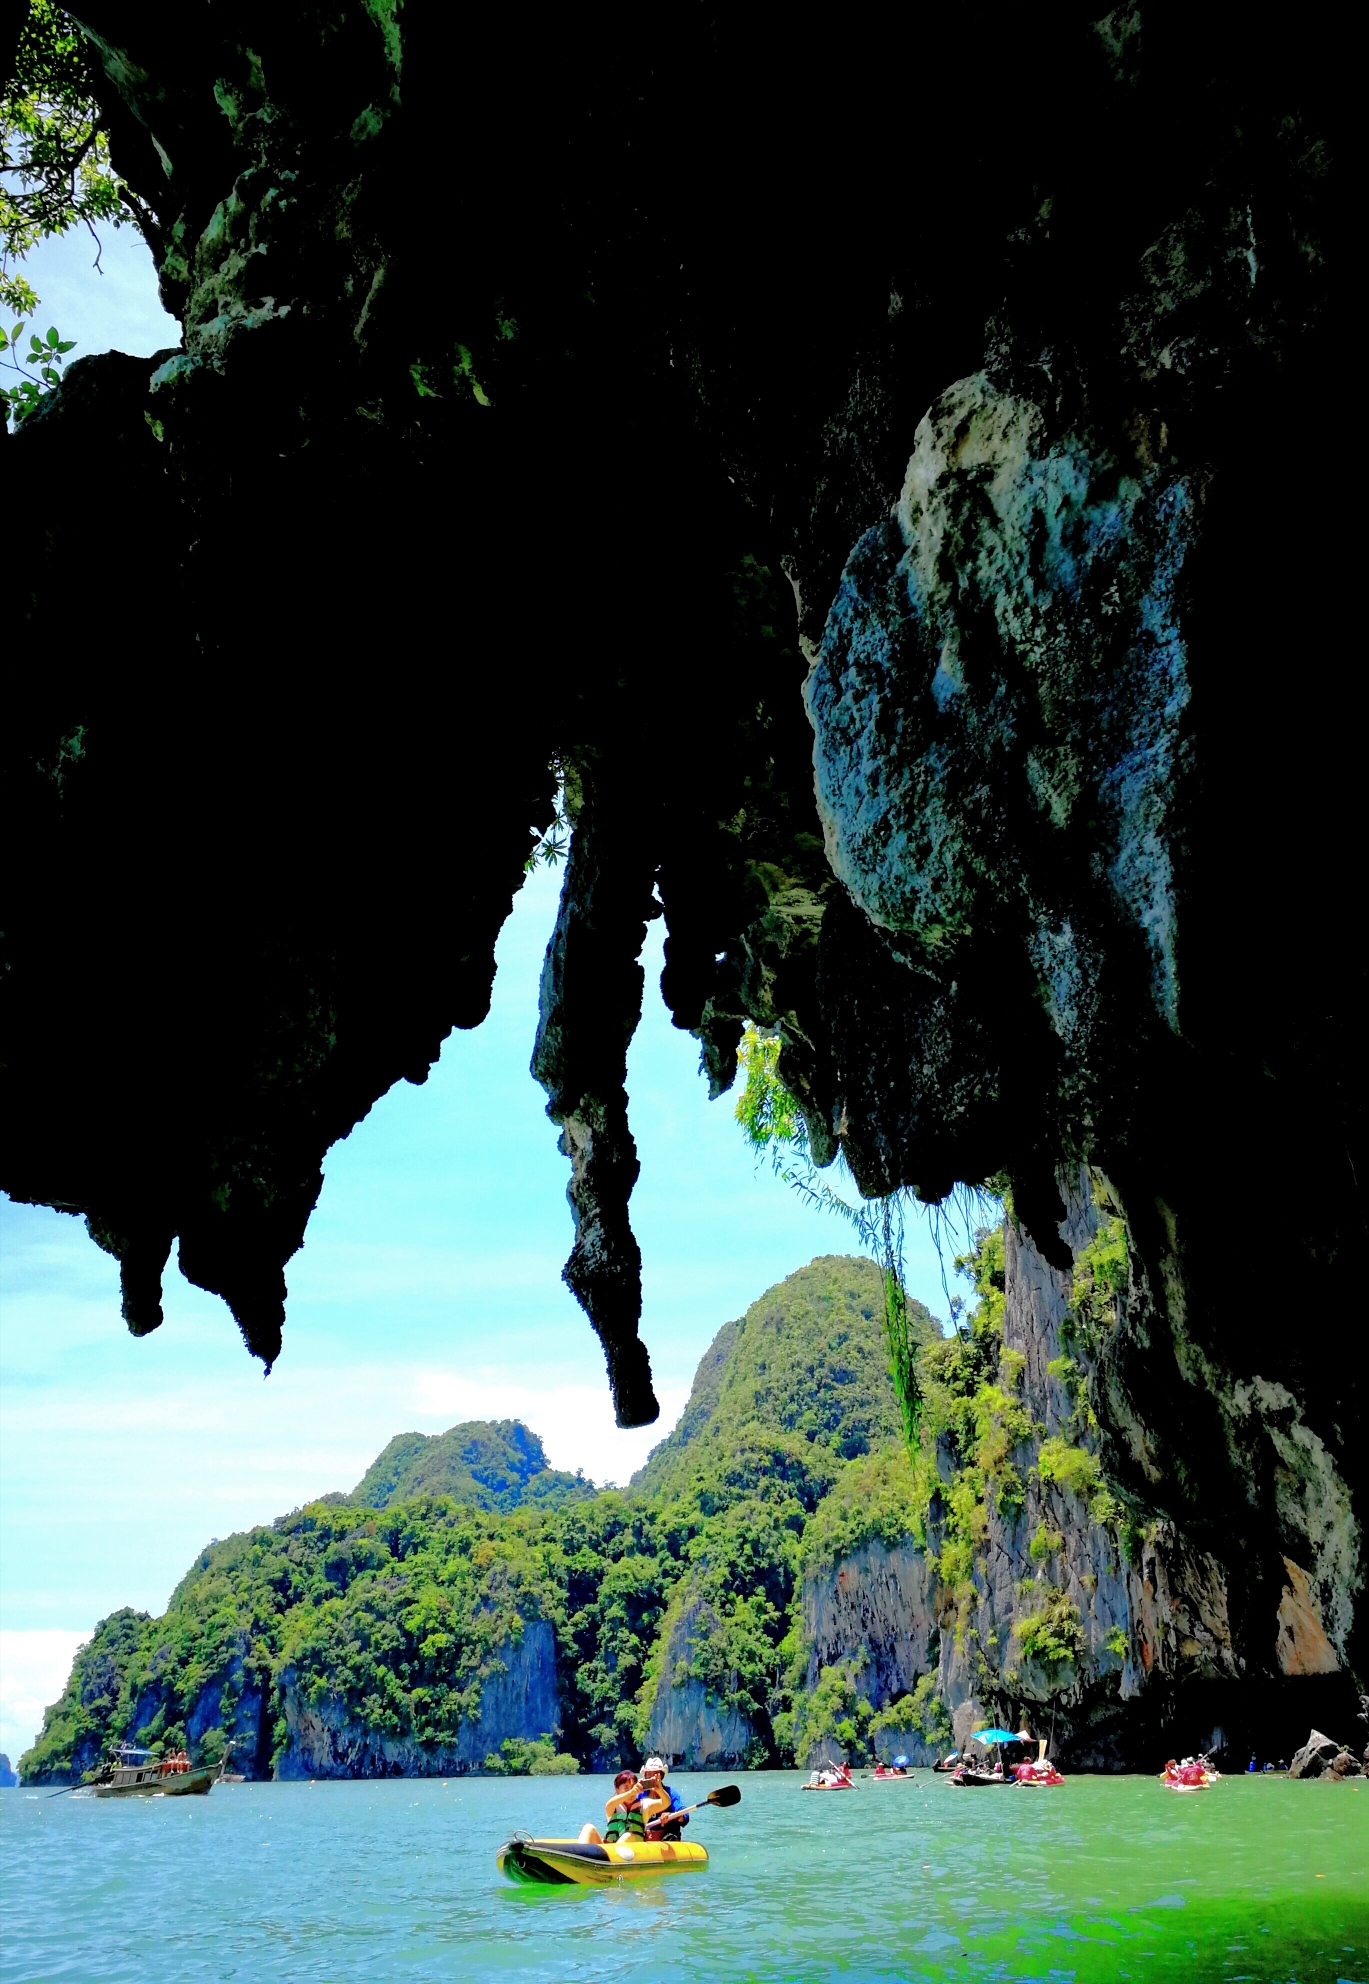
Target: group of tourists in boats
961, 1768
837, 1777
644, 1818
969, 1771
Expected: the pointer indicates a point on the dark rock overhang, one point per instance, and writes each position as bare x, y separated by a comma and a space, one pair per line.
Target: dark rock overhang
528, 382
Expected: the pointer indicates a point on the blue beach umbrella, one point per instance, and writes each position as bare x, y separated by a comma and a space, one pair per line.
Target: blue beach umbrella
994, 1736
899, 1760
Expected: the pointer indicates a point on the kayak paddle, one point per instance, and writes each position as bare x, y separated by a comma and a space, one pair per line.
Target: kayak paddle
726, 1794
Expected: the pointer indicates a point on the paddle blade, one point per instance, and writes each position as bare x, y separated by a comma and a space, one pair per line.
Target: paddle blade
726, 1794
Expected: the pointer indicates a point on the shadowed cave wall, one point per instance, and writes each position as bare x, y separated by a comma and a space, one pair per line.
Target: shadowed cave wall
896, 477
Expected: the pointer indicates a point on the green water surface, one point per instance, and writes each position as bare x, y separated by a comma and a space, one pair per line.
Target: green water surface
1101, 1878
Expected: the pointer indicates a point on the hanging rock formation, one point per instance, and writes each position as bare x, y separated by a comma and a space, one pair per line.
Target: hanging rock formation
896, 496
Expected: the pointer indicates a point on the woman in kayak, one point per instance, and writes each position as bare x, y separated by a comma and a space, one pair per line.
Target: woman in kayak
636, 1801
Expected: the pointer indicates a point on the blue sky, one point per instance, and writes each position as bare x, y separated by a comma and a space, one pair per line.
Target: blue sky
428, 1289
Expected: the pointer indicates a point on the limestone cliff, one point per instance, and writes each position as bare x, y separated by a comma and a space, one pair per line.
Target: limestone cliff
700, 1727
877, 1606
1033, 1593
519, 1699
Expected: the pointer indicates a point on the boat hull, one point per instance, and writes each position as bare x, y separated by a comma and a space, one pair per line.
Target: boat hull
148, 1784
573, 1862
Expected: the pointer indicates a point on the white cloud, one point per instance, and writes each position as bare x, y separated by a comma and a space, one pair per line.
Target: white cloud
33, 1672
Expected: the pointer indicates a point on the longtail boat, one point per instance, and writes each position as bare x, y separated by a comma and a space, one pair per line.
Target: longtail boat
134, 1773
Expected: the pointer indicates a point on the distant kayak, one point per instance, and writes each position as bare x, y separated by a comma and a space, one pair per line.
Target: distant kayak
560, 1862
1193, 1774
1038, 1772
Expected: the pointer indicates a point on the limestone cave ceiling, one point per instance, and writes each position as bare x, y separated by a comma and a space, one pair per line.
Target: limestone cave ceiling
893, 468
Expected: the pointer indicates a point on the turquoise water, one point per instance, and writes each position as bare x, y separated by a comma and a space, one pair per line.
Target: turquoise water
1102, 1878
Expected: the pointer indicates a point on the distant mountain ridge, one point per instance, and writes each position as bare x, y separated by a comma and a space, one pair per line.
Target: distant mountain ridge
493, 1464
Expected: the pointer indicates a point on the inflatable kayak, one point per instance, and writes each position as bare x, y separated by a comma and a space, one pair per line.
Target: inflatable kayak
1038, 1773
1191, 1775
560, 1861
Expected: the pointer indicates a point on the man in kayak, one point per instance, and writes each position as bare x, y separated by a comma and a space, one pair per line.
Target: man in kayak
636, 1801
664, 1825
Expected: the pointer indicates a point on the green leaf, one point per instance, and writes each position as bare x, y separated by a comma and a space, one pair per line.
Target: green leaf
4, 342
52, 334
35, 342
16, 334
67, 344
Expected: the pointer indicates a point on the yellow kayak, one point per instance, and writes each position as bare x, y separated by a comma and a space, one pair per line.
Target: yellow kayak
563, 1860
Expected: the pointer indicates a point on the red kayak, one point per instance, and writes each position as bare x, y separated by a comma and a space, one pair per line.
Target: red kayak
1039, 1772
833, 1777
1193, 1774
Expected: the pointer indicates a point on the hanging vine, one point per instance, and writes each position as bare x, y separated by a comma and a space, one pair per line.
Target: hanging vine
772, 1121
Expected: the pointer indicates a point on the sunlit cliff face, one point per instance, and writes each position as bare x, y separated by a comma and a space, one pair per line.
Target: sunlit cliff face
520, 401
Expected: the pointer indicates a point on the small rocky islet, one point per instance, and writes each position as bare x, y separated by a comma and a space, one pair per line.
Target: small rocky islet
788, 1579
